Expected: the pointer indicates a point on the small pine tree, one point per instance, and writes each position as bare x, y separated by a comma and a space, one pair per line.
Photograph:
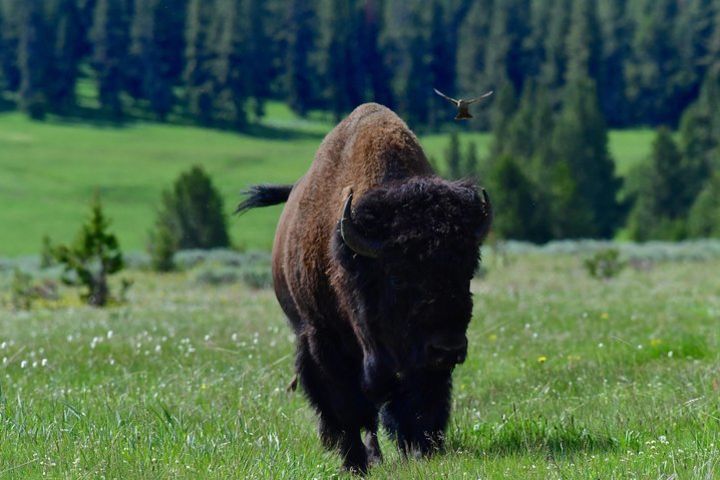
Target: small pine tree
193, 212
453, 157
47, 258
93, 257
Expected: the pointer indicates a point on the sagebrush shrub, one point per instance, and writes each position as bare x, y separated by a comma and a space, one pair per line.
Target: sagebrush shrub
605, 264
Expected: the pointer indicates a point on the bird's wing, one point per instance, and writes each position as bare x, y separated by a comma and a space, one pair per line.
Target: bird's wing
451, 100
484, 95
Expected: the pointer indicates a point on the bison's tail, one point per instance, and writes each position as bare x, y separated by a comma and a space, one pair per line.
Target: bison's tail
264, 196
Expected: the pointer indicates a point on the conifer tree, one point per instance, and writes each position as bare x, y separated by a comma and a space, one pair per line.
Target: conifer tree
198, 62
33, 59
580, 140
2, 48
231, 84
704, 218
340, 56
471, 55
109, 36
505, 55
194, 209
300, 46
514, 205
583, 43
145, 54
10, 18
377, 74
416, 81
504, 109
700, 137
517, 137
615, 28
93, 257
440, 68
67, 54
692, 37
169, 34
651, 72
712, 55
525, 139
552, 70
258, 44
660, 209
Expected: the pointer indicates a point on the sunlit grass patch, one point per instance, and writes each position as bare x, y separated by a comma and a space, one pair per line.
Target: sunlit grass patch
187, 380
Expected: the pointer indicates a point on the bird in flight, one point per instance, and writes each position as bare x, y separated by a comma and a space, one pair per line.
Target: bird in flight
462, 105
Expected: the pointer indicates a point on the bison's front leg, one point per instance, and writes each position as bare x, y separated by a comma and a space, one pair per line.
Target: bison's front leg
342, 408
417, 416
372, 447
347, 441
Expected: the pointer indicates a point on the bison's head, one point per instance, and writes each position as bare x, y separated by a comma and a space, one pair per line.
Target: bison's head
408, 251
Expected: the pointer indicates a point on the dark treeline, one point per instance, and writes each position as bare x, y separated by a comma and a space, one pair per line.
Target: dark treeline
217, 61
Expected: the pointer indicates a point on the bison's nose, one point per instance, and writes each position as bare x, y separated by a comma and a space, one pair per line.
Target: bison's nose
446, 352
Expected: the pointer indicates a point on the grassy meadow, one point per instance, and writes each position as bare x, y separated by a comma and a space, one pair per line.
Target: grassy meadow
49, 171
567, 377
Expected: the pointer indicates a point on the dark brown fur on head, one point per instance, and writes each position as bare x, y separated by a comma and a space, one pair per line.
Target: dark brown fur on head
417, 289
423, 218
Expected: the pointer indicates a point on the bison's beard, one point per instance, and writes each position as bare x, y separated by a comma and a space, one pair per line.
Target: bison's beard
381, 376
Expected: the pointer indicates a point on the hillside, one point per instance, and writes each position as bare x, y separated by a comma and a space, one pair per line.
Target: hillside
49, 170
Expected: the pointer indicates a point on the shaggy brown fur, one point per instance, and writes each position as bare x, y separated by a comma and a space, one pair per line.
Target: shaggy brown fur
376, 333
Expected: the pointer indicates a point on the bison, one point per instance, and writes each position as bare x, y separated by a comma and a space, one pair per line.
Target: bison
372, 262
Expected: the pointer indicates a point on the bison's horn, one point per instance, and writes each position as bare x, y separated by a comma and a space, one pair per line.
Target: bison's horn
481, 232
352, 238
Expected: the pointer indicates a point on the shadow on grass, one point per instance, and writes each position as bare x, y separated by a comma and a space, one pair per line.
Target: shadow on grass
514, 436
96, 118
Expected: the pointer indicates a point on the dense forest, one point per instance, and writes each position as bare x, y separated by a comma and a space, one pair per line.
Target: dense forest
218, 60
563, 72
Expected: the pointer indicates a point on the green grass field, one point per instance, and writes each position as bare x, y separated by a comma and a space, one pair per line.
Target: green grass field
567, 377
49, 171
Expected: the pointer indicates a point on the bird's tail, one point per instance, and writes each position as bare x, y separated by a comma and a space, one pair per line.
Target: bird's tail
263, 196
